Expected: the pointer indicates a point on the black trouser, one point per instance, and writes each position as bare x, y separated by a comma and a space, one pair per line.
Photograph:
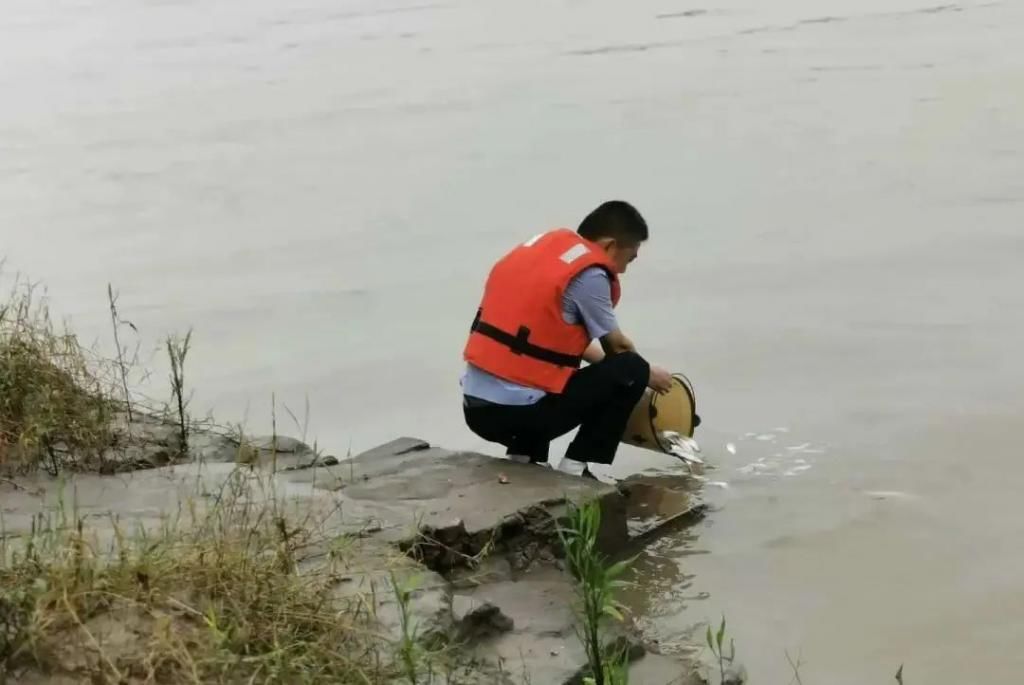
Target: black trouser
598, 398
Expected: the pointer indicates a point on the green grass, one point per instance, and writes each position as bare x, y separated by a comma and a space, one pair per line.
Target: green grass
213, 596
55, 409
716, 643
597, 580
236, 586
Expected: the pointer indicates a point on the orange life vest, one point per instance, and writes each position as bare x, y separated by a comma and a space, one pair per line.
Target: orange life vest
519, 333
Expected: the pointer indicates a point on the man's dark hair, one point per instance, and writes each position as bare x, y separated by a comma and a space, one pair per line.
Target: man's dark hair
615, 219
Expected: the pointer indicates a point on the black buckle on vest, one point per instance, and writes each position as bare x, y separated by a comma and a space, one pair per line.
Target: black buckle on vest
520, 344
522, 340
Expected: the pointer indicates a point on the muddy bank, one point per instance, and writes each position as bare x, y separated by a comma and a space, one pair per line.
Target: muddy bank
474, 536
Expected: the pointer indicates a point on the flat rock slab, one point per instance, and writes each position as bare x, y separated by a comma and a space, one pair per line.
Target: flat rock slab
543, 641
393, 492
411, 481
138, 498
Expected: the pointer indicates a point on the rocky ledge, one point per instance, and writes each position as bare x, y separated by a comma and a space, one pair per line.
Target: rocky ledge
479, 533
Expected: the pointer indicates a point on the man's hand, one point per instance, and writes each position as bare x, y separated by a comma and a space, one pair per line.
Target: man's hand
661, 380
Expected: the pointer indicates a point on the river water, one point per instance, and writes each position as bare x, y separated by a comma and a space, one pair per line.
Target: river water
835, 194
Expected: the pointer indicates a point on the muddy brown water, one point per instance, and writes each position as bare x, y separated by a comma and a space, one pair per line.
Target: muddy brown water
835, 196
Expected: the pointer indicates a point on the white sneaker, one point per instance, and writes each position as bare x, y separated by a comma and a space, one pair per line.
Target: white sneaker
572, 467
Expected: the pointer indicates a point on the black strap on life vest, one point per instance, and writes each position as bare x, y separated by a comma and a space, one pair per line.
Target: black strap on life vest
520, 344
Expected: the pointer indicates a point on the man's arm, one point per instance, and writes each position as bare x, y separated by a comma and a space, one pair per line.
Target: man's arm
590, 296
616, 341
588, 301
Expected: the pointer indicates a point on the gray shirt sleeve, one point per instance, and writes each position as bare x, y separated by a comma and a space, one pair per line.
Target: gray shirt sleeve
588, 300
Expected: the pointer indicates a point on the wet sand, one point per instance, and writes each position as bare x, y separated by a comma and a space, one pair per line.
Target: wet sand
835, 198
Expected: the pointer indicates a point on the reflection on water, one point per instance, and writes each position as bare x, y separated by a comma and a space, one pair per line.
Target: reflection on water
657, 503
663, 591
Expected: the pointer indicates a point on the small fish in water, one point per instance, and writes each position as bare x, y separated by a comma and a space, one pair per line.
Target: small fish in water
673, 437
681, 446
710, 483
890, 494
730, 448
